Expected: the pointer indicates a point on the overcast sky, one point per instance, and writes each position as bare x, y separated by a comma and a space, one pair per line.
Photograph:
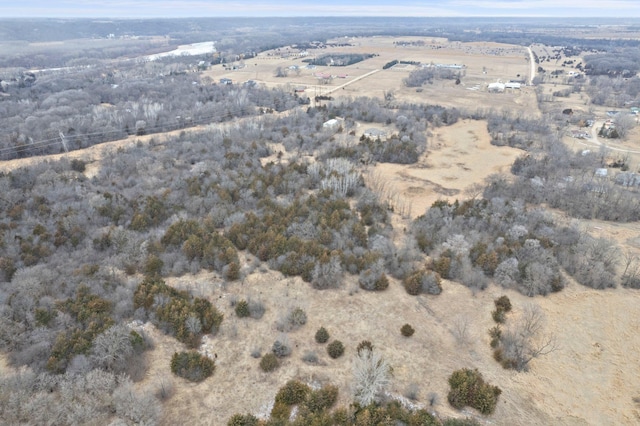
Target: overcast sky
261, 8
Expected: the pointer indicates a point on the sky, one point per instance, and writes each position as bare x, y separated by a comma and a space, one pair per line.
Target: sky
288, 8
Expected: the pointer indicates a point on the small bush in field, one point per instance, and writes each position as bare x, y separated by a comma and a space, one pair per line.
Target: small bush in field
242, 309
192, 366
365, 344
294, 319
297, 317
322, 399
495, 333
256, 308
407, 330
498, 316
335, 349
281, 347
412, 392
469, 389
243, 420
503, 304
322, 335
310, 357
269, 362
292, 393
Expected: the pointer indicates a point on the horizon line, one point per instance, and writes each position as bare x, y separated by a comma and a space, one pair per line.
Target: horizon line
573, 17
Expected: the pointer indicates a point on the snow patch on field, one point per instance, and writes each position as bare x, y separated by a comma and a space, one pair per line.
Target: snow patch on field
186, 50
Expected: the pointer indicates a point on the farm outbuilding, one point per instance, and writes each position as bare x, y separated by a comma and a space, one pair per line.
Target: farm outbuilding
496, 87
374, 133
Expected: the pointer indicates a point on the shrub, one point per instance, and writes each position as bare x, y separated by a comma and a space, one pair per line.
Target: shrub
412, 392
442, 266
281, 347
269, 362
503, 303
412, 284
495, 333
407, 330
243, 420
292, 393
192, 366
498, 316
280, 412
335, 349
256, 308
322, 335
176, 309
78, 165
422, 282
294, 319
365, 344
469, 389
322, 399
310, 357
374, 278
297, 317
242, 309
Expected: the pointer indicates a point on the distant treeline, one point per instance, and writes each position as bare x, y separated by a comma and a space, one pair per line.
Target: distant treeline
619, 62
340, 59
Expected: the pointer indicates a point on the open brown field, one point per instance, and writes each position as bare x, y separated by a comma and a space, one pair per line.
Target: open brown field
484, 63
460, 156
589, 380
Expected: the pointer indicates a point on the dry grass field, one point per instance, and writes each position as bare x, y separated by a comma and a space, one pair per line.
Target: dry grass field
591, 379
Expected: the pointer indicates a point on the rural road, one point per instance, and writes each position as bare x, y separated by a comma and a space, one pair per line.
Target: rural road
353, 81
595, 141
532, 63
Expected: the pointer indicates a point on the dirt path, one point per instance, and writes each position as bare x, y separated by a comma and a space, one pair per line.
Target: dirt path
353, 81
95, 153
532, 63
594, 141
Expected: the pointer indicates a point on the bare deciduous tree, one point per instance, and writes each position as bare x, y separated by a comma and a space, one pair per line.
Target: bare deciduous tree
460, 329
526, 339
371, 376
624, 123
631, 273
112, 348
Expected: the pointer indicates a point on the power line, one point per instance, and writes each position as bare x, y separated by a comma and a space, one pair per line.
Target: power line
218, 117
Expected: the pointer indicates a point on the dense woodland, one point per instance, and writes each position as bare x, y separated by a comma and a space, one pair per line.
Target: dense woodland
84, 261
51, 112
